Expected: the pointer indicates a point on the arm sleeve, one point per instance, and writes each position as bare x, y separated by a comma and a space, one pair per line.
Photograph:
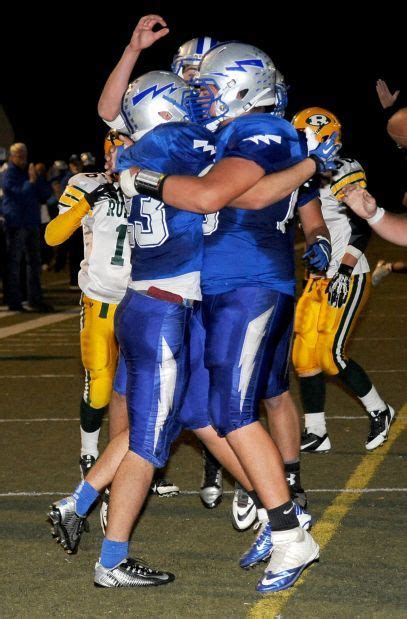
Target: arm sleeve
73, 206
360, 232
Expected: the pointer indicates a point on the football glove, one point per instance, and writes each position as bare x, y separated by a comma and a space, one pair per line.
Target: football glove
338, 288
103, 192
318, 255
325, 153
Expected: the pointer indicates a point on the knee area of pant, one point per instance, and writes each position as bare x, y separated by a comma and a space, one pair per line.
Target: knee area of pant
156, 462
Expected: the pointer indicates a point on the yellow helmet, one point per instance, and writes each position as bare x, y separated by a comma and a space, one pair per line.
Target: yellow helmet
322, 122
112, 139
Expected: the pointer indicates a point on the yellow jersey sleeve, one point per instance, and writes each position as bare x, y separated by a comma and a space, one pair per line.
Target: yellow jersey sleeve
63, 226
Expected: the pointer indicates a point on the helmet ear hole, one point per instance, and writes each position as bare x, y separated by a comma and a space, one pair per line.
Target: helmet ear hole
242, 93
165, 115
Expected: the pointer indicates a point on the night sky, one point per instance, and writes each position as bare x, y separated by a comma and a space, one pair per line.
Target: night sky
53, 73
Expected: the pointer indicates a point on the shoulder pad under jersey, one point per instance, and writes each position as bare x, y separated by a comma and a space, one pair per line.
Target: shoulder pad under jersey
88, 182
349, 172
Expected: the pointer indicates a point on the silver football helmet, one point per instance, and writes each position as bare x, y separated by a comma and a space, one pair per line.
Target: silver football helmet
243, 77
281, 95
191, 53
153, 99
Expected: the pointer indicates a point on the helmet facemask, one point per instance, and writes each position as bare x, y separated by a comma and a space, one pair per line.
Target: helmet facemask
233, 79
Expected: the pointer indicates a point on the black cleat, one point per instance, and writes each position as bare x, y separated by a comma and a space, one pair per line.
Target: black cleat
379, 427
67, 526
313, 443
211, 490
85, 463
130, 573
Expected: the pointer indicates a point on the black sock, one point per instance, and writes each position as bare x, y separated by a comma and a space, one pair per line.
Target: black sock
91, 418
292, 475
283, 517
210, 458
356, 379
312, 390
254, 497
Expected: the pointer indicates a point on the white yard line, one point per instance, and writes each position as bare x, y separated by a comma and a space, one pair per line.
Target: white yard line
226, 492
36, 323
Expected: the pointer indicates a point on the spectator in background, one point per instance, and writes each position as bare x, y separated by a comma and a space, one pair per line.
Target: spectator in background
46, 251
88, 162
3, 252
57, 170
23, 193
74, 167
73, 247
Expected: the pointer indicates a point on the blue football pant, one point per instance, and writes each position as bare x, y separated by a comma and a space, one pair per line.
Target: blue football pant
154, 341
244, 333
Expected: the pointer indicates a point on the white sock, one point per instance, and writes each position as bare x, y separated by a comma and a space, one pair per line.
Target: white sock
315, 423
262, 514
89, 443
373, 402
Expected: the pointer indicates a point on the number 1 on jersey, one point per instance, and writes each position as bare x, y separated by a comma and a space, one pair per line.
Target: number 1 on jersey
117, 259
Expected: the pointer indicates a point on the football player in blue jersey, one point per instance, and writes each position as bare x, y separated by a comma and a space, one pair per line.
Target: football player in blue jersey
185, 64
248, 276
152, 329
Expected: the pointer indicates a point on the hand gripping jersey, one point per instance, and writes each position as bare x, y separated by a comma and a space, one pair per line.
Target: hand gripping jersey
167, 242
344, 227
105, 269
255, 248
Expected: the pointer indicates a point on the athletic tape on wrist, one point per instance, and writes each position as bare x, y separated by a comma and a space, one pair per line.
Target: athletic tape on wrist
353, 251
127, 183
379, 214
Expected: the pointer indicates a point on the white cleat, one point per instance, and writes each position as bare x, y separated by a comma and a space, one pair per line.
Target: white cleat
293, 551
379, 427
312, 443
244, 511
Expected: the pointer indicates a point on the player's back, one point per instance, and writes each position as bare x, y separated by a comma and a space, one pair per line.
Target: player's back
167, 242
105, 269
254, 248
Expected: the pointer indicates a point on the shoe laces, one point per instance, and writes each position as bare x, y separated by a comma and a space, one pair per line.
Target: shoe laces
136, 566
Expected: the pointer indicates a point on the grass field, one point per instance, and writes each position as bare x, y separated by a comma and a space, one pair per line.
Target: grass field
357, 499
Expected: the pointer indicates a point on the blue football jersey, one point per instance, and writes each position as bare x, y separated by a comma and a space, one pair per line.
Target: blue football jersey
165, 241
254, 248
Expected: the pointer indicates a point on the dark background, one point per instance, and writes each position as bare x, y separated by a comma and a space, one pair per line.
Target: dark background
57, 57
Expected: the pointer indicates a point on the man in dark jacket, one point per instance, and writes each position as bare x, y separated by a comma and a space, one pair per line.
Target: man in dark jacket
23, 193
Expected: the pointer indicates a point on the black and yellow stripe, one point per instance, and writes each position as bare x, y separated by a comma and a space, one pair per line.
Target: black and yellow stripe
353, 307
71, 196
349, 179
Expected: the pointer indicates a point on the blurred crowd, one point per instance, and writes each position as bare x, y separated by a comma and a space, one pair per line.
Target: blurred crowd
29, 195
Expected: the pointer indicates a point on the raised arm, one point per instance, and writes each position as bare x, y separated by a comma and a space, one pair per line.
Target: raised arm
143, 36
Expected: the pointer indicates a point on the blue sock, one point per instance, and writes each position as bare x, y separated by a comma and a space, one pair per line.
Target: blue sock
113, 553
85, 495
